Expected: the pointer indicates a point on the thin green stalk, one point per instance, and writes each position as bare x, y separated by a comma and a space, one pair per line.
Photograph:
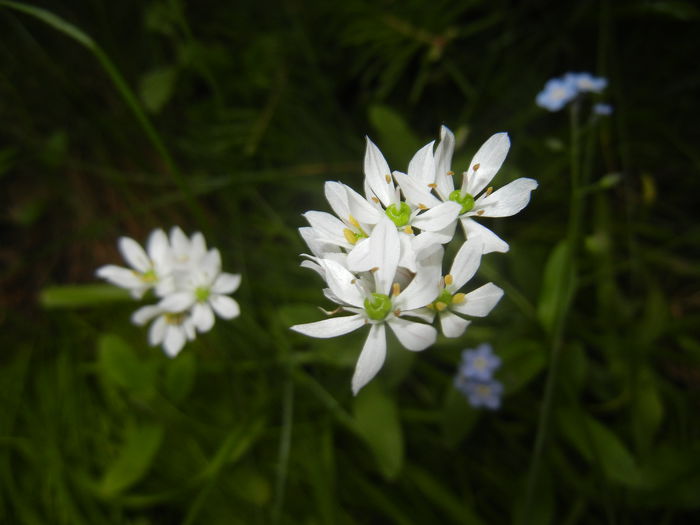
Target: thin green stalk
123, 89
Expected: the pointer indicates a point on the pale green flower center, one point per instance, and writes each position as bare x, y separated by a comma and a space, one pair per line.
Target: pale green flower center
149, 276
202, 293
377, 306
175, 319
399, 213
465, 199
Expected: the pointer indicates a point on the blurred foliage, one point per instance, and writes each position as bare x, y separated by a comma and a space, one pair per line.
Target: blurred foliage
119, 117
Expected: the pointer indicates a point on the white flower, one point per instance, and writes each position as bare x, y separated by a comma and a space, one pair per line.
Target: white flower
149, 270
205, 291
172, 330
450, 301
471, 197
376, 298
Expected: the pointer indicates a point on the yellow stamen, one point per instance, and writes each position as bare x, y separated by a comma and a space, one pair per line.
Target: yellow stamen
430, 306
397, 313
448, 279
395, 289
408, 230
349, 236
489, 191
440, 306
432, 185
476, 166
352, 220
375, 199
458, 298
388, 178
422, 206
451, 173
480, 212
374, 269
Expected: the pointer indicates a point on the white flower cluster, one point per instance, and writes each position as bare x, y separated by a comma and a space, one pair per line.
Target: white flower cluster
381, 254
185, 277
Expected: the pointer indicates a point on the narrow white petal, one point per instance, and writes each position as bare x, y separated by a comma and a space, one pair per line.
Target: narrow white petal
327, 228
422, 290
465, 263
203, 317
371, 358
491, 242
156, 333
378, 174
413, 336
341, 282
226, 283
122, 277
443, 163
421, 168
174, 340
424, 314
426, 244
158, 247
437, 218
385, 243
366, 212
452, 325
416, 191
508, 200
198, 245
337, 198
409, 256
210, 264
480, 302
331, 327
177, 302
134, 255
179, 241
224, 306
490, 157
144, 314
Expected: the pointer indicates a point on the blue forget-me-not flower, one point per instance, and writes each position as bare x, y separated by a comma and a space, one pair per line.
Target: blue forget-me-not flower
558, 92
475, 379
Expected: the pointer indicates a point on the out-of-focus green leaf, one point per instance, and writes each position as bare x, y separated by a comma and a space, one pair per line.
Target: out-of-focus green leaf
250, 485
119, 364
180, 374
398, 142
135, 458
655, 316
600, 446
648, 409
156, 87
458, 418
574, 366
522, 361
81, 295
558, 286
377, 421
542, 505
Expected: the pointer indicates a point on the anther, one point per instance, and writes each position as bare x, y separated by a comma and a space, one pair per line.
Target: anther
349, 236
375, 199
451, 173
388, 178
489, 191
480, 212
476, 166
397, 313
448, 279
422, 206
374, 269
395, 289
440, 306
352, 220
432, 185
458, 298
408, 230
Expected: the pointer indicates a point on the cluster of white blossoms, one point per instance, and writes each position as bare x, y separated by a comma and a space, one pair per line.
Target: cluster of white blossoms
186, 279
381, 254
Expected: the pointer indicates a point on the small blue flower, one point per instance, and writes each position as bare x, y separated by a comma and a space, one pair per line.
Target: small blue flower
602, 109
486, 394
479, 363
557, 93
587, 83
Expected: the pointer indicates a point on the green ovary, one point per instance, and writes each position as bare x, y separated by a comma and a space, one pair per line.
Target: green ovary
377, 306
400, 214
202, 294
149, 276
465, 199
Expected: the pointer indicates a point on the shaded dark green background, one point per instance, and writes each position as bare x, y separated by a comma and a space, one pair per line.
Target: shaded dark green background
241, 111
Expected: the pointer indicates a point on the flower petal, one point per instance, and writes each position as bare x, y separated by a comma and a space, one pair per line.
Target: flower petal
134, 255
378, 174
508, 200
327, 228
421, 168
489, 158
156, 333
443, 163
224, 306
371, 358
437, 218
480, 302
179, 241
417, 193
174, 340
226, 283
452, 325
158, 247
341, 282
144, 314
424, 287
465, 264
413, 336
363, 210
203, 317
331, 327
491, 242
337, 198
122, 277
177, 302
385, 244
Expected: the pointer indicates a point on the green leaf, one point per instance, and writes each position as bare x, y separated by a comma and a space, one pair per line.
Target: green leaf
648, 409
377, 421
119, 365
156, 87
397, 140
135, 458
558, 286
180, 374
81, 295
522, 361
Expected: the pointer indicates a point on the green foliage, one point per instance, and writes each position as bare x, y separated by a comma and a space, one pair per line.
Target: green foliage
119, 117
